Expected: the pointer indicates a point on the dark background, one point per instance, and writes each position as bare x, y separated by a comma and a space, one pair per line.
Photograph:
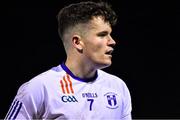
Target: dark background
146, 55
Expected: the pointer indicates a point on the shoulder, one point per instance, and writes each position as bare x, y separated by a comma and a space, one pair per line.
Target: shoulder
37, 85
46, 77
113, 81
42, 81
108, 76
119, 87
33, 87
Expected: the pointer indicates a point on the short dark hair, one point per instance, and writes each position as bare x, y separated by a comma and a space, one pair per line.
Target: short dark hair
83, 12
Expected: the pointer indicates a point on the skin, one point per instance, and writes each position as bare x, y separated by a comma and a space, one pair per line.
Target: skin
88, 47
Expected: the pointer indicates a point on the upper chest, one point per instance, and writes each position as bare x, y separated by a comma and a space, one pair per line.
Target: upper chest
75, 98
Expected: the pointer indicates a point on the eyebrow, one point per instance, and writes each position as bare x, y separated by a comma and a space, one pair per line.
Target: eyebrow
103, 33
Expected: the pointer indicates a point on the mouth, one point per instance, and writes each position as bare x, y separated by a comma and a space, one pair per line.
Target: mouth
109, 52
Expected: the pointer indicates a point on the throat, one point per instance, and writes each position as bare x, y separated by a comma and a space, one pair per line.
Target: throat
80, 73
84, 74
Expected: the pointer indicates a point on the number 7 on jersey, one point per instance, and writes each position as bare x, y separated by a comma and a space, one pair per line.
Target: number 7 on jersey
91, 103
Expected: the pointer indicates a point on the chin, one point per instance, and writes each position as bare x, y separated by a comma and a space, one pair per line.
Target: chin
105, 64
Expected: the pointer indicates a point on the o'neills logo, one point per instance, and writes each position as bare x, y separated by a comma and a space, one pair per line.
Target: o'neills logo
66, 85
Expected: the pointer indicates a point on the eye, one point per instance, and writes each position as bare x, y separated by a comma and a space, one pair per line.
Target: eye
102, 34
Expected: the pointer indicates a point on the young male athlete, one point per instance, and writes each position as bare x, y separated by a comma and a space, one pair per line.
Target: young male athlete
78, 88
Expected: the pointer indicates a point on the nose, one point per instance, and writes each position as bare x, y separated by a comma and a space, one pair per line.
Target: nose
111, 41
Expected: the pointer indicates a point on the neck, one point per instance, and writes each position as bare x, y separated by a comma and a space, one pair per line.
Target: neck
80, 69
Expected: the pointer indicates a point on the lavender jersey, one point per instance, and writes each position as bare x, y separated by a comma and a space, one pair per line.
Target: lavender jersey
58, 94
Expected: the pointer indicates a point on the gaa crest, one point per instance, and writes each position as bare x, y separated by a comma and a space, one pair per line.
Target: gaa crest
111, 100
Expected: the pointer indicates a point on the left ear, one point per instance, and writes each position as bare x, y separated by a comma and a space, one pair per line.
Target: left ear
77, 42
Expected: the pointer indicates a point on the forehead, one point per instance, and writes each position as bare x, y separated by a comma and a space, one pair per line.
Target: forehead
94, 26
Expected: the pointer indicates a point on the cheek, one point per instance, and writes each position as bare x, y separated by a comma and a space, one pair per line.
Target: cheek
98, 44
95, 47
